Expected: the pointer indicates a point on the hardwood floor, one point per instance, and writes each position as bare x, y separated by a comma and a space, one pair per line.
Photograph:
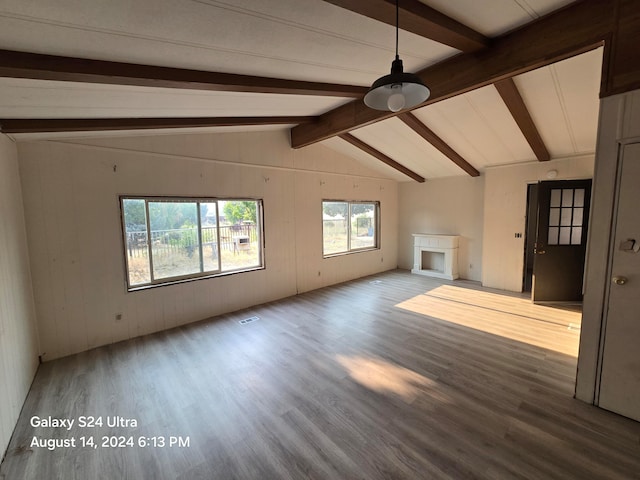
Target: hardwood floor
395, 376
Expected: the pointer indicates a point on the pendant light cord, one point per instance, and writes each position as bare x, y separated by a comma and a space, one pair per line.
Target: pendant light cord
397, 27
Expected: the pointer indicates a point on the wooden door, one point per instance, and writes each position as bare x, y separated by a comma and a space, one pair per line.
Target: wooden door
620, 374
558, 266
531, 233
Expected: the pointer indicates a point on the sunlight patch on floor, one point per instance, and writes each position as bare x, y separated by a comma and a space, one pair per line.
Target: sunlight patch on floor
384, 377
509, 317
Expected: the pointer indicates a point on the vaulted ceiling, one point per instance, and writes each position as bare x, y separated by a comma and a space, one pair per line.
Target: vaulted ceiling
86, 67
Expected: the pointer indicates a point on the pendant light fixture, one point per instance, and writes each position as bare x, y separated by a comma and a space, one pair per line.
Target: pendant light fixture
397, 90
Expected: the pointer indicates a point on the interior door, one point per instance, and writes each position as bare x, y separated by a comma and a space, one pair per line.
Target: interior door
558, 265
620, 374
531, 233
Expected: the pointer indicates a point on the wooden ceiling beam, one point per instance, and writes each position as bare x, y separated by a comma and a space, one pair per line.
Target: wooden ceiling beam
418, 18
69, 69
578, 28
514, 102
425, 132
38, 125
356, 142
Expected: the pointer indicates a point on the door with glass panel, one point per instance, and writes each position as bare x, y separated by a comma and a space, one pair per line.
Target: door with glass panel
563, 214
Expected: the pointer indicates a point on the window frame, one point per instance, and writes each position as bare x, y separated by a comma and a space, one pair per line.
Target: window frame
198, 275
350, 250
571, 208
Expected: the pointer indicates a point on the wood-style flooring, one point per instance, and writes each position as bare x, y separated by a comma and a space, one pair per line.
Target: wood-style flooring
395, 376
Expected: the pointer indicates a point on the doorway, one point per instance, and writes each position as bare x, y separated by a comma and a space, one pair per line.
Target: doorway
555, 241
530, 234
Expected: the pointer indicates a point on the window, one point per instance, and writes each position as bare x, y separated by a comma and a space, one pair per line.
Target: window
349, 226
174, 239
566, 215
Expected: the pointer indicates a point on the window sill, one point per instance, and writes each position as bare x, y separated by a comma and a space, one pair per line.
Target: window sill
351, 252
137, 288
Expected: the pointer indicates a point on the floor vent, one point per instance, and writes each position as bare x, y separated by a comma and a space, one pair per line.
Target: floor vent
375, 282
248, 320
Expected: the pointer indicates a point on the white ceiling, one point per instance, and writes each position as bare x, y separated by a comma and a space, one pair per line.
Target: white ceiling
302, 40
26, 98
495, 17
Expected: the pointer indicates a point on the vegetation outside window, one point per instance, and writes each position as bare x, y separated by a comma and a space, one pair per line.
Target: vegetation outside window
175, 239
349, 226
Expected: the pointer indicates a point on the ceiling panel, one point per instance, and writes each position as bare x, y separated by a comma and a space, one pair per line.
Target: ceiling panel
23, 137
479, 127
364, 158
563, 100
20, 98
407, 148
495, 17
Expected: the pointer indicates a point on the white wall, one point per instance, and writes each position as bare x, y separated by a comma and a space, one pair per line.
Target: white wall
450, 206
71, 202
505, 210
18, 339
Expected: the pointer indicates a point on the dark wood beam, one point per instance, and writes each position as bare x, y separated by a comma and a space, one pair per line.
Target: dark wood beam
37, 125
68, 69
425, 132
623, 72
576, 29
513, 100
356, 142
418, 18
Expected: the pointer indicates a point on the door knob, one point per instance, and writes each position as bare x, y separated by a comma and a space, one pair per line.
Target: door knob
619, 280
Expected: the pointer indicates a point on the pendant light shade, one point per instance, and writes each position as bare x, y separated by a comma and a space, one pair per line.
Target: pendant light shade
397, 90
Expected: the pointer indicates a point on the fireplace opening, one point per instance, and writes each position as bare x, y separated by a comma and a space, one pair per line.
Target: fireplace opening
433, 261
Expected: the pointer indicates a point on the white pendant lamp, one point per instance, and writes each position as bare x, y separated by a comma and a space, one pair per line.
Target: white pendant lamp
397, 90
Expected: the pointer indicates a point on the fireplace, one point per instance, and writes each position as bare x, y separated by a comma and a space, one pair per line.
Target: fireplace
435, 255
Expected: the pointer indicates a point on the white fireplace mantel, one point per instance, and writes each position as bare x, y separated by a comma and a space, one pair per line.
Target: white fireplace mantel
435, 255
